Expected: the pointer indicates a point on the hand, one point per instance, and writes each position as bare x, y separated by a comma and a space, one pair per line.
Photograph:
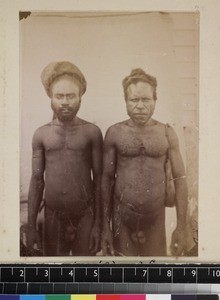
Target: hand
178, 242
107, 242
94, 245
33, 237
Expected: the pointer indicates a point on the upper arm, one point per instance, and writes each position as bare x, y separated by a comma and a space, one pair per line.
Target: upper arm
109, 156
38, 159
176, 160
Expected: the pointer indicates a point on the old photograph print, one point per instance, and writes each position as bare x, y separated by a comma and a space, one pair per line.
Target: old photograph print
109, 134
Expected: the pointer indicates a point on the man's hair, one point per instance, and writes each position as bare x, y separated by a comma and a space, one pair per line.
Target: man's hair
56, 70
136, 76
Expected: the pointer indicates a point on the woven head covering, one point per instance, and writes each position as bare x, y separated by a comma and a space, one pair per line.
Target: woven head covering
56, 69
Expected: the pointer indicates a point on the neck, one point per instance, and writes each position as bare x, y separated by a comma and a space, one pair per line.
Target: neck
72, 122
150, 122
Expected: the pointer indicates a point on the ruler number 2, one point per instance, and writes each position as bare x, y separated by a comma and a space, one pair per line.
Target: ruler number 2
21, 273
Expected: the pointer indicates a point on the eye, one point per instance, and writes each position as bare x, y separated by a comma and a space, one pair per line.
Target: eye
59, 96
71, 96
145, 100
134, 100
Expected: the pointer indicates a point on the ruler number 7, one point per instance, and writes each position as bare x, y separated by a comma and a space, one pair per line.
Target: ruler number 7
144, 273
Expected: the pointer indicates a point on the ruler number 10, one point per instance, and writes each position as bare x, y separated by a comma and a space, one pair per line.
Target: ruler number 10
216, 273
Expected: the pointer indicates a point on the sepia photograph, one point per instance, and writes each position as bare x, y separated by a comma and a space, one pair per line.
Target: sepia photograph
109, 133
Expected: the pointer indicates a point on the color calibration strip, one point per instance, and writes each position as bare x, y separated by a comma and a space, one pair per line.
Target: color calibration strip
110, 297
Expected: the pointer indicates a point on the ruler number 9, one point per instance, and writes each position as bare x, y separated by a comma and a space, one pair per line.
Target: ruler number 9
193, 273
169, 273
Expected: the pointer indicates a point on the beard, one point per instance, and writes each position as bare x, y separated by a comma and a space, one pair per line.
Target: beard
65, 114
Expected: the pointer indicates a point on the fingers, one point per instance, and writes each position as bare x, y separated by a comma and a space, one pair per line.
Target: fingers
94, 243
107, 248
176, 249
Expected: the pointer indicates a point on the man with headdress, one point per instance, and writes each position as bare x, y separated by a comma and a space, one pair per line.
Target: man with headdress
134, 177
66, 168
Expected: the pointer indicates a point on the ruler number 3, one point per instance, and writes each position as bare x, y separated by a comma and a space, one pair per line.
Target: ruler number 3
46, 273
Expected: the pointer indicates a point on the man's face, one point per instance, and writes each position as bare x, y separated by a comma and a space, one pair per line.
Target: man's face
65, 98
140, 102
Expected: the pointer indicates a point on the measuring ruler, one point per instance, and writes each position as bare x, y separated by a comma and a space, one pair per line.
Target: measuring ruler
102, 278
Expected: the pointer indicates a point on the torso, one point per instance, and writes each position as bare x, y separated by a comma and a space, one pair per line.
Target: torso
140, 176
68, 163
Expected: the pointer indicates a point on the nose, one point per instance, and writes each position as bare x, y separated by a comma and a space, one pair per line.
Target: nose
140, 104
64, 101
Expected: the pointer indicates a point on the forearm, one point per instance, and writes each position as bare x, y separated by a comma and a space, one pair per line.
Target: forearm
34, 199
97, 204
107, 190
181, 202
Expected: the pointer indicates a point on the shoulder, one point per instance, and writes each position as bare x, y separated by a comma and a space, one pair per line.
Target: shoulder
89, 128
117, 128
171, 136
41, 132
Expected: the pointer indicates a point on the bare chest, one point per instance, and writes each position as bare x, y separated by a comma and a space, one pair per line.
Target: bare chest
152, 144
66, 139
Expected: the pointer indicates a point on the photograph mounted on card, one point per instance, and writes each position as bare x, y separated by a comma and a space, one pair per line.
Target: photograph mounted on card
109, 135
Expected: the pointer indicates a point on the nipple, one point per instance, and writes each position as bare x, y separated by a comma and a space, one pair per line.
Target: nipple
142, 150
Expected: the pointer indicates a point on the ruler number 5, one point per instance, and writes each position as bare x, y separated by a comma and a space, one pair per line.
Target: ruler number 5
95, 273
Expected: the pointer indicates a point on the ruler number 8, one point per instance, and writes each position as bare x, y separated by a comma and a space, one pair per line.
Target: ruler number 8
169, 273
